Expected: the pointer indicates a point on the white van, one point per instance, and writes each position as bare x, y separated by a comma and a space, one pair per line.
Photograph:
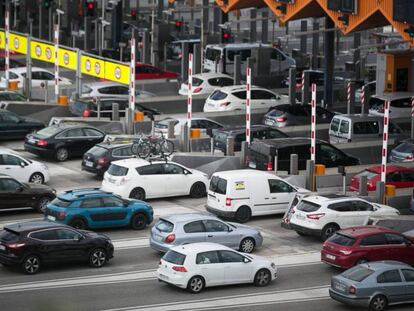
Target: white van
241, 194
224, 54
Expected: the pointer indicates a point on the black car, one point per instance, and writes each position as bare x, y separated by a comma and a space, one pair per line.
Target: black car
63, 141
262, 154
13, 64
97, 159
15, 194
258, 132
13, 126
34, 243
86, 107
12, 96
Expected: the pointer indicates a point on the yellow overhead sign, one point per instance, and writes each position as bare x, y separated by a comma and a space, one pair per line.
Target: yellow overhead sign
117, 72
42, 51
93, 66
67, 58
2, 40
18, 43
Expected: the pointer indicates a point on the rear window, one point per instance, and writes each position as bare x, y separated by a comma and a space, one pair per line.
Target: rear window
218, 95
116, 170
174, 257
218, 185
335, 125
48, 131
8, 235
368, 127
307, 207
405, 147
367, 173
358, 273
164, 226
60, 202
98, 151
341, 239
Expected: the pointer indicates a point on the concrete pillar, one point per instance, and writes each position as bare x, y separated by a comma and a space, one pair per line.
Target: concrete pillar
292, 85
171, 125
185, 141
315, 45
205, 15
380, 192
294, 164
310, 175
306, 88
237, 69
329, 41
303, 38
184, 61
363, 186
197, 58
244, 154
253, 25
146, 49
357, 55
129, 120
265, 26
230, 146
115, 112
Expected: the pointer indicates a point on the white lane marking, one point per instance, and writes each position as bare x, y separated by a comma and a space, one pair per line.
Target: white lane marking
131, 276
273, 297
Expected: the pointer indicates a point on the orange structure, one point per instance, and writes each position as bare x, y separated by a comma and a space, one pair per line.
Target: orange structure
296, 10
230, 5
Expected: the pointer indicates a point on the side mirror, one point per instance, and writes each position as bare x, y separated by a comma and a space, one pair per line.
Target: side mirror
80, 238
246, 260
230, 229
22, 164
20, 189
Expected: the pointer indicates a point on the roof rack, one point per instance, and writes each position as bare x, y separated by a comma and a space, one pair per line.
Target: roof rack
153, 159
81, 189
119, 139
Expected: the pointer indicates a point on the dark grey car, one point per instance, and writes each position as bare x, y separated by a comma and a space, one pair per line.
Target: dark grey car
374, 285
180, 229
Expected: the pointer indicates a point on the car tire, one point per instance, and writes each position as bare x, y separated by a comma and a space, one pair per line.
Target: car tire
78, 223
262, 278
243, 214
247, 245
98, 258
196, 284
37, 178
62, 154
31, 264
42, 203
137, 194
301, 233
139, 221
378, 303
198, 190
328, 231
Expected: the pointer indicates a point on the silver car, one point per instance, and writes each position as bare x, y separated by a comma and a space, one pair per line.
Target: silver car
374, 285
180, 229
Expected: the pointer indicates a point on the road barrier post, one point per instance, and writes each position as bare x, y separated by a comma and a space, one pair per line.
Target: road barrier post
230, 146
385, 144
115, 112
363, 181
412, 117
190, 96
294, 164
380, 192
248, 106
313, 124
350, 97
244, 154
310, 175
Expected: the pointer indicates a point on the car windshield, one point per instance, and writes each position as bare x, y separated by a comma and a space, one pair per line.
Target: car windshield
212, 54
307, 207
218, 95
174, 257
218, 185
48, 131
98, 151
342, 239
164, 226
358, 273
116, 170
60, 202
405, 147
368, 173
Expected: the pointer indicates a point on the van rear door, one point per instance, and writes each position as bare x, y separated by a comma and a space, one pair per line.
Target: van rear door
339, 130
217, 192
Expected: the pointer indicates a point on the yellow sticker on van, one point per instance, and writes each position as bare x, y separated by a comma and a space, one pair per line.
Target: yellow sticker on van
240, 185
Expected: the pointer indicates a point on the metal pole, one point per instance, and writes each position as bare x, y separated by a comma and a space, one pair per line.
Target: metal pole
363, 94
190, 97
292, 85
6, 44
152, 34
57, 60
132, 75
385, 141
28, 80
98, 104
248, 107
78, 73
103, 27
313, 123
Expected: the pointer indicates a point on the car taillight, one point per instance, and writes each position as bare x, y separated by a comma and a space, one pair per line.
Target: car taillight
225, 104
42, 143
179, 268
197, 90
170, 238
15, 245
370, 186
228, 201
102, 161
352, 290
409, 157
269, 166
61, 215
281, 119
86, 113
342, 251
315, 216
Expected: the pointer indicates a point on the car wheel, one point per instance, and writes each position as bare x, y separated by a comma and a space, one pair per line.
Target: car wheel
328, 231
62, 154
42, 204
97, 258
137, 194
139, 221
31, 264
78, 223
198, 190
262, 278
243, 214
37, 178
247, 245
378, 303
195, 284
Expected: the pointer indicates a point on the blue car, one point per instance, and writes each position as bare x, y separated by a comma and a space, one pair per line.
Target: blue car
94, 208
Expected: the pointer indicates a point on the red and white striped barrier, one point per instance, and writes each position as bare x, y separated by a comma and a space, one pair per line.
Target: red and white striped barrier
385, 141
56, 42
190, 91
248, 103
132, 76
363, 99
348, 90
302, 85
6, 46
412, 106
313, 123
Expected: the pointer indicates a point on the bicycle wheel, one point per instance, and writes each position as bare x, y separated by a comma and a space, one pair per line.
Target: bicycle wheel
167, 147
144, 150
135, 147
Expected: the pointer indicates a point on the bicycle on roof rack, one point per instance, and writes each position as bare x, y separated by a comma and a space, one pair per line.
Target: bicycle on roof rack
145, 146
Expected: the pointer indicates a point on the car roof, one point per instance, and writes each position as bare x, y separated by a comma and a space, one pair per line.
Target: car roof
6, 176
286, 142
394, 96
362, 231
198, 247
76, 194
234, 88
390, 169
359, 117
65, 125
103, 84
208, 75
33, 225
242, 129
320, 199
24, 69
137, 162
385, 265
245, 173
174, 218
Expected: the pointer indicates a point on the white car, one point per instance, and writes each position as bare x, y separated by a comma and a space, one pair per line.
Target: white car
139, 179
111, 89
22, 169
324, 215
198, 265
39, 76
400, 106
234, 98
205, 83
196, 123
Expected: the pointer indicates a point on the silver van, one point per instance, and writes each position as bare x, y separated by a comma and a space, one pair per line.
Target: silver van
356, 127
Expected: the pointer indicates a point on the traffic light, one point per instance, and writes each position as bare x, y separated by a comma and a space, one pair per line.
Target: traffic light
225, 36
47, 3
90, 8
134, 13
178, 25
410, 31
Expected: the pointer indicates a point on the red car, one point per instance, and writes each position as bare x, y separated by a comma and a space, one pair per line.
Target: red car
146, 72
400, 177
355, 245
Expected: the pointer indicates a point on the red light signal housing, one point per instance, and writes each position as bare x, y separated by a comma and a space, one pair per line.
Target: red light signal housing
178, 24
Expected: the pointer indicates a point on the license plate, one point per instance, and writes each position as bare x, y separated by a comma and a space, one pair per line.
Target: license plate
339, 287
159, 237
32, 140
210, 105
111, 180
267, 122
2, 247
88, 163
50, 217
298, 216
164, 277
331, 257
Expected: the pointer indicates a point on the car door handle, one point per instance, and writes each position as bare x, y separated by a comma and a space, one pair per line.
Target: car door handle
266, 198
274, 197
7, 168
210, 235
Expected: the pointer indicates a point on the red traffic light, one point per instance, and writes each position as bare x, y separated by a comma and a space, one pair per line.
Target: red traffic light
133, 12
178, 24
226, 35
90, 5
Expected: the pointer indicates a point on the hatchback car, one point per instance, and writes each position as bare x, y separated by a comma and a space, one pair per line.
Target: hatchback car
15, 194
94, 208
356, 245
204, 124
34, 243
12, 126
198, 265
179, 229
63, 141
39, 76
140, 179
112, 90
232, 98
398, 176
404, 152
375, 285
285, 115
205, 83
